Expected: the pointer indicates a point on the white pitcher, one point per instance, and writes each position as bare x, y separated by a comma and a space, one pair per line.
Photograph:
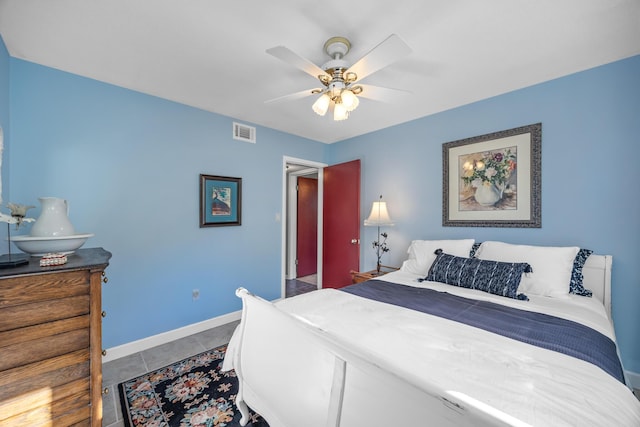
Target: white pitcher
53, 220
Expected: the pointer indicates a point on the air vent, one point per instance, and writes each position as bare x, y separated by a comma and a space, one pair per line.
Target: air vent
244, 133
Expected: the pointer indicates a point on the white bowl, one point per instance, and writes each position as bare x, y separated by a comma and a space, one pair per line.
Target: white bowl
38, 246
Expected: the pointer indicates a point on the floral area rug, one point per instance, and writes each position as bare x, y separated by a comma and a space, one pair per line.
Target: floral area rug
189, 393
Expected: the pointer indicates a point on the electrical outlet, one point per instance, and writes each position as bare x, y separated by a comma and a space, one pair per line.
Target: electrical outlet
195, 294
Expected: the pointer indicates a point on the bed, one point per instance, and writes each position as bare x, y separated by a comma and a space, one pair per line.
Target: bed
458, 356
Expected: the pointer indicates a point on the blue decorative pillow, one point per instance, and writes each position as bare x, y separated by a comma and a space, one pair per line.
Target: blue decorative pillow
474, 249
575, 285
494, 277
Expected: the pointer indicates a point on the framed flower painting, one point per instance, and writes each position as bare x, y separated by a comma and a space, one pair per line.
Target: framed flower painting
493, 180
220, 201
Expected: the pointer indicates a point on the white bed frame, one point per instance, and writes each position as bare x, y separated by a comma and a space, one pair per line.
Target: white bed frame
323, 382
597, 278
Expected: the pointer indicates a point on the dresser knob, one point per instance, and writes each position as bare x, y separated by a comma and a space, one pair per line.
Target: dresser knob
105, 279
103, 314
104, 352
106, 390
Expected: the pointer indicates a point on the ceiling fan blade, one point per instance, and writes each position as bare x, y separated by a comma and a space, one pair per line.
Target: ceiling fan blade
287, 55
293, 96
387, 52
379, 93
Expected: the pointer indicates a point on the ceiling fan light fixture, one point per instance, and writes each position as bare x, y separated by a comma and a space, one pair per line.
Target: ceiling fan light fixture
338, 76
321, 105
340, 112
350, 77
336, 87
357, 90
349, 100
325, 79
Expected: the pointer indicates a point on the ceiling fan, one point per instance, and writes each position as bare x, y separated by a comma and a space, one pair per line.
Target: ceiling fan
341, 85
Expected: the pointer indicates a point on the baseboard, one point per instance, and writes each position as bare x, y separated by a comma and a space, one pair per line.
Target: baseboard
634, 379
155, 340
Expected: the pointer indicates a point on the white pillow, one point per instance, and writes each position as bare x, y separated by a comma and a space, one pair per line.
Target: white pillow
421, 253
552, 265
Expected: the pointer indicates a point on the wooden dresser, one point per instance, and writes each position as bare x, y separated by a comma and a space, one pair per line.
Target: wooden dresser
51, 342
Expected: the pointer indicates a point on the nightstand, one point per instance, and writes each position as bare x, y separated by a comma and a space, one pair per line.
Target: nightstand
361, 276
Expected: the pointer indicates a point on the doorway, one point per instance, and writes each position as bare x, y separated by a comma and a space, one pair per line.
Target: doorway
307, 229
338, 221
309, 171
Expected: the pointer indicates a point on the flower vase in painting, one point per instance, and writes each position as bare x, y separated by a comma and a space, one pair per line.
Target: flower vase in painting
487, 194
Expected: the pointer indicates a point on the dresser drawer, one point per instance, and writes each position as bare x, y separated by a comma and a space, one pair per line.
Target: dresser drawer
45, 393
21, 316
42, 287
34, 350
70, 411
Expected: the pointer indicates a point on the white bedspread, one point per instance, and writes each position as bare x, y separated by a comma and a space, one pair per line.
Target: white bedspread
517, 382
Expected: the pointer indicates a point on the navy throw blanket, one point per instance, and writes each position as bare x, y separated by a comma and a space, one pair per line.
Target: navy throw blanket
538, 329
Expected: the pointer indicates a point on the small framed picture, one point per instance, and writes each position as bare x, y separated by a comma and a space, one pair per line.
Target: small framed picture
220, 201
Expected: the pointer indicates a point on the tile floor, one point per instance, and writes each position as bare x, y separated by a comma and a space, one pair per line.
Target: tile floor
297, 287
119, 370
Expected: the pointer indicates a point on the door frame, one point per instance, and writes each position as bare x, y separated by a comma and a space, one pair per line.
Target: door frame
289, 217
291, 270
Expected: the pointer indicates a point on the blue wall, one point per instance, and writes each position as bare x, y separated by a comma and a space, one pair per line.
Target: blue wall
129, 166
590, 151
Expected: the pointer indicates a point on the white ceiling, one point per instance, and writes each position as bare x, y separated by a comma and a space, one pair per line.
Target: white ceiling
211, 54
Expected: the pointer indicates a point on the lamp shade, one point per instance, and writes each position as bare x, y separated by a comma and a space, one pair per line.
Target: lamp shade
349, 100
340, 112
322, 104
379, 215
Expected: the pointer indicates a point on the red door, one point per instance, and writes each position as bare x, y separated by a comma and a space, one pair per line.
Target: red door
341, 226
307, 227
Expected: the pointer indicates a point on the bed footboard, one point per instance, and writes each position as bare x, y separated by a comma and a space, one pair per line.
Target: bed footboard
295, 374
